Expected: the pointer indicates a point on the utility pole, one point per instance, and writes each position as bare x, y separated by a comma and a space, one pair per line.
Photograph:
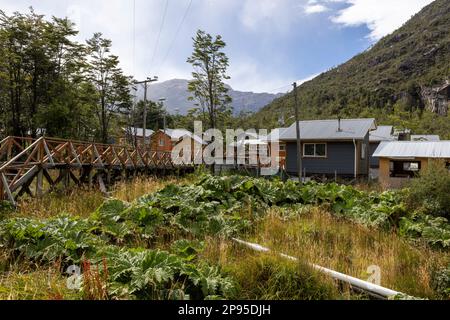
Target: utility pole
145, 83
299, 144
133, 132
164, 113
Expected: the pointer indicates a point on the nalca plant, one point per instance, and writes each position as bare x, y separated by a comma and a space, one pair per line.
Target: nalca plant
433, 230
66, 238
157, 275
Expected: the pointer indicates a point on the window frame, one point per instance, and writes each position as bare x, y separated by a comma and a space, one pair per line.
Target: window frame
315, 156
402, 173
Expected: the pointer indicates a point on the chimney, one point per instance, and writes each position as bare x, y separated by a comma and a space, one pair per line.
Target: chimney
339, 124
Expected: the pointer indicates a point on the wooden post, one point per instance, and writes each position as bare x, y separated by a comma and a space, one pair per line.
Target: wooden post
39, 183
8, 191
2, 190
101, 184
90, 178
66, 178
108, 177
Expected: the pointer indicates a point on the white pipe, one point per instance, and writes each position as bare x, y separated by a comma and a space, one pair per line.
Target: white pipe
354, 282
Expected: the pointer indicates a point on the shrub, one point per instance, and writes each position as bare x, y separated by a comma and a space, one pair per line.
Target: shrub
441, 282
431, 190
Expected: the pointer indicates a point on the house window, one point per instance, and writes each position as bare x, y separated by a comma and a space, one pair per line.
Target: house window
411, 166
282, 147
161, 142
403, 169
315, 150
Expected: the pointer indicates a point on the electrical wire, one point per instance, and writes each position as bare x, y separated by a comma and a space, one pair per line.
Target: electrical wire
159, 33
134, 37
176, 35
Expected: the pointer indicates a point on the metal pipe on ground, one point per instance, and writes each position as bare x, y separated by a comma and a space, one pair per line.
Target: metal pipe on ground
372, 289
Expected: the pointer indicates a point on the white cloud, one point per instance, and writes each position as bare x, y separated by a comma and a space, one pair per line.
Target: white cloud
381, 16
248, 75
313, 6
269, 15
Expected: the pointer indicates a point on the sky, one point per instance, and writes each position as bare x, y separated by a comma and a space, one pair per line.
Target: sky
270, 43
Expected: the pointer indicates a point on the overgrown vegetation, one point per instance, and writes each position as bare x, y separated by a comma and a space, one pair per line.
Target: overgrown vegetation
151, 248
431, 190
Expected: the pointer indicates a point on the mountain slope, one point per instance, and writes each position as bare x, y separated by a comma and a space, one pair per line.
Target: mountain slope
394, 72
175, 91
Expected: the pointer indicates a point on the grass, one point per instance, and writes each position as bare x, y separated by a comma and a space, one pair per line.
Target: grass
309, 233
270, 277
82, 202
316, 237
35, 284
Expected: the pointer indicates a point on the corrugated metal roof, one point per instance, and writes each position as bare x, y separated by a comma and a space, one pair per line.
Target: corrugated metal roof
248, 142
275, 134
382, 133
140, 131
177, 134
413, 149
425, 137
328, 129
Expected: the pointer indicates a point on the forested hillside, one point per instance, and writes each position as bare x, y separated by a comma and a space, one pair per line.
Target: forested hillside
387, 81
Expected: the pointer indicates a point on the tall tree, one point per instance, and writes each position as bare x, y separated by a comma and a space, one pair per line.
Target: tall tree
112, 86
207, 87
155, 115
39, 69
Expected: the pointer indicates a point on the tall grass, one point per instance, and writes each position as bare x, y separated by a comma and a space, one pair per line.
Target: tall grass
271, 277
81, 201
317, 237
129, 191
35, 284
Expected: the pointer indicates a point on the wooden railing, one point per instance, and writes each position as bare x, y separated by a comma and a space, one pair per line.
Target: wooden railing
23, 159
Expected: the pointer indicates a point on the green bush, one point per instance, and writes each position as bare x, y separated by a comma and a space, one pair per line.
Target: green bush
441, 282
430, 191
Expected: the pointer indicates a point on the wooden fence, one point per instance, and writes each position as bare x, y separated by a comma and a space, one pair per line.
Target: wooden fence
26, 162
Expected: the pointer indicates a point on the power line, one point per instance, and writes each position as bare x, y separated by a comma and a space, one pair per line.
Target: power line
279, 88
176, 35
134, 37
159, 33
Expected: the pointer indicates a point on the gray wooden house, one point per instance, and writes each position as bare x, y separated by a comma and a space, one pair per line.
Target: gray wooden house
330, 147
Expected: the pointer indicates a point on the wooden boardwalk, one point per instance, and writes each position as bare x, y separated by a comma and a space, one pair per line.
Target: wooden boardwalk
26, 162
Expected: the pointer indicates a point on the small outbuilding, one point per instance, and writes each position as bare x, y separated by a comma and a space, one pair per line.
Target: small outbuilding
403, 160
136, 135
163, 141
